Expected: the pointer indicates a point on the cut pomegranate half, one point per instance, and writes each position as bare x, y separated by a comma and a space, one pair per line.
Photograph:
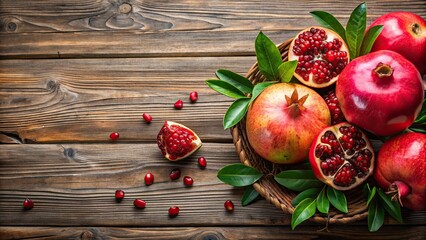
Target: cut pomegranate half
321, 53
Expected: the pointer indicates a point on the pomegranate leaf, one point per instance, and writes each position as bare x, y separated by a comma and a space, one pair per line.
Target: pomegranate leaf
268, 57
238, 175
286, 70
303, 211
323, 204
416, 129
258, 89
298, 180
249, 195
337, 199
376, 215
392, 207
225, 88
238, 81
369, 39
371, 195
308, 193
235, 112
355, 29
327, 20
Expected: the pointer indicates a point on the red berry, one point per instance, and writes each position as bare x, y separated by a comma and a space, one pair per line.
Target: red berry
202, 162
119, 194
188, 181
178, 104
229, 205
149, 179
28, 204
114, 136
147, 117
174, 174
139, 203
193, 96
173, 211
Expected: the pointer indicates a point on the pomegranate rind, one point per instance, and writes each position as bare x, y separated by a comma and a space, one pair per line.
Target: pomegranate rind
163, 136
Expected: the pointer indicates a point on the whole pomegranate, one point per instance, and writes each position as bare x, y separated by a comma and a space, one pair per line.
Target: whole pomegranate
382, 92
401, 169
404, 33
281, 125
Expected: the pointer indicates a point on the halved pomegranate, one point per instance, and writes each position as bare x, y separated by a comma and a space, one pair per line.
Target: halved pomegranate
321, 55
177, 141
341, 156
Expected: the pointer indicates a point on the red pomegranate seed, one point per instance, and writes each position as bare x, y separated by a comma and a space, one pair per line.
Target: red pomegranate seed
188, 181
139, 203
119, 194
229, 205
178, 104
149, 179
147, 117
28, 204
174, 174
173, 211
114, 136
202, 162
193, 96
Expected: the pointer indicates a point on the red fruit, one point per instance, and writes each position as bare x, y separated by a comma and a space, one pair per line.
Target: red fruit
114, 136
188, 181
321, 55
381, 92
281, 126
202, 162
173, 211
178, 104
149, 179
401, 169
139, 203
119, 194
404, 33
193, 96
334, 107
174, 174
177, 141
147, 117
341, 156
229, 205
28, 204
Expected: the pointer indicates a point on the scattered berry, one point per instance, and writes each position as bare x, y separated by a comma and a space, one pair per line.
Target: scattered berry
202, 162
119, 195
188, 181
193, 96
178, 104
229, 205
139, 203
174, 174
28, 204
114, 136
149, 179
147, 117
173, 211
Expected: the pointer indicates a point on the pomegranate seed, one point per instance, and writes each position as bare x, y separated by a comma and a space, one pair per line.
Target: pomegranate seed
188, 181
178, 104
229, 205
202, 162
119, 195
149, 179
28, 204
114, 136
173, 211
174, 174
139, 203
147, 117
193, 96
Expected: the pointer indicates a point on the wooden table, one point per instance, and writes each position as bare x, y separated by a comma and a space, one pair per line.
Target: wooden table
72, 72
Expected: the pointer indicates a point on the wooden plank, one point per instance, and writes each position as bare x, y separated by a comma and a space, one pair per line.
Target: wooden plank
84, 100
241, 232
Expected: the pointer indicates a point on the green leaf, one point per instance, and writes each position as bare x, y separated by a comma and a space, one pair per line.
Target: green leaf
238, 175
416, 129
303, 211
308, 193
327, 20
286, 70
298, 180
371, 195
258, 89
235, 112
268, 57
392, 207
225, 88
323, 204
376, 216
238, 81
337, 199
355, 29
250, 194
369, 39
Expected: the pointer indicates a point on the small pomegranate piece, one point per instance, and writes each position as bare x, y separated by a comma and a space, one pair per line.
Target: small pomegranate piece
334, 107
202, 162
176, 141
147, 117
178, 104
119, 195
174, 174
28, 204
341, 156
114, 136
188, 181
193, 96
139, 203
149, 179
173, 211
229, 205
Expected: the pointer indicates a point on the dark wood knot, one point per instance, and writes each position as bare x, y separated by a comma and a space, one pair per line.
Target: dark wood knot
86, 235
125, 8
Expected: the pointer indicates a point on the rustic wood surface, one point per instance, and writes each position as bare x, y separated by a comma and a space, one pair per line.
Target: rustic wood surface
73, 71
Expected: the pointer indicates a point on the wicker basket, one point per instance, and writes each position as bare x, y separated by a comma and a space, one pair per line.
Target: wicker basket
269, 188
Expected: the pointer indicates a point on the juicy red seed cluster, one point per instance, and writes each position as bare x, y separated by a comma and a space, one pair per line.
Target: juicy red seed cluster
334, 107
177, 143
361, 161
345, 176
330, 165
352, 139
331, 139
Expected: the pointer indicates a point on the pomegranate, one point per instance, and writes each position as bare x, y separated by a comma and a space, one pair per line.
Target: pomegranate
119, 195
281, 126
334, 107
404, 33
178, 104
28, 204
321, 55
381, 92
401, 169
202, 162
177, 141
114, 136
173, 211
229, 205
341, 156
147, 117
